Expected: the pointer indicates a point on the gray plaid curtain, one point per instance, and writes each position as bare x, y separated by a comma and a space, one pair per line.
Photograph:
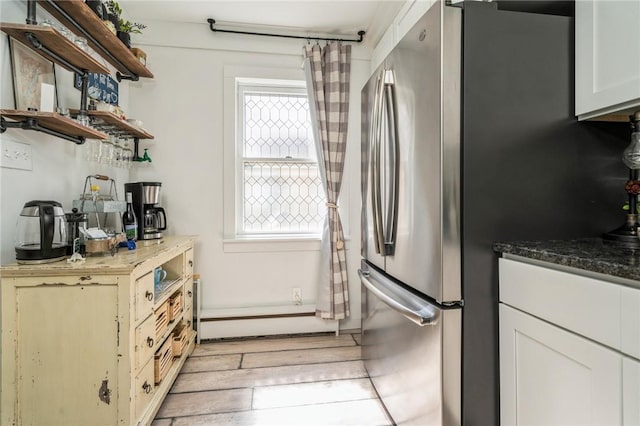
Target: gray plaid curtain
328, 70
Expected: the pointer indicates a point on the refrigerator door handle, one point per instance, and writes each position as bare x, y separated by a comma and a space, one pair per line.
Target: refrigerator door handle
376, 194
392, 163
411, 307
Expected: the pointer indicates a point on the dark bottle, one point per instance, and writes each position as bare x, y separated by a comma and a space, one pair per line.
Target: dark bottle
129, 221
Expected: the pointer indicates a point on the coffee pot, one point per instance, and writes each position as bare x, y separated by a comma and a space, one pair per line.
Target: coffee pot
77, 223
41, 233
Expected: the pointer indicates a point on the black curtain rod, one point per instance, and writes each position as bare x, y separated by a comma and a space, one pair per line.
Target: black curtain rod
213, 21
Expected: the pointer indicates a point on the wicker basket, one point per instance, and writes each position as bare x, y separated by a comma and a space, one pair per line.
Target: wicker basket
176, 304
162, 319
180, 339
163, 359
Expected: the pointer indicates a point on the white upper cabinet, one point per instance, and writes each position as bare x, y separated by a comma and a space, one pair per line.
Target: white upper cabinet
410, 13
607, 58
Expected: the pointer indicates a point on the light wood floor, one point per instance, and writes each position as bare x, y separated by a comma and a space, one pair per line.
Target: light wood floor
309, 380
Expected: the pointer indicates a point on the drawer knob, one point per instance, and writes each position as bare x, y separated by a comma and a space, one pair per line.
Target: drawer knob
189, 293
191, 263
147, 387
150, 342
148, 295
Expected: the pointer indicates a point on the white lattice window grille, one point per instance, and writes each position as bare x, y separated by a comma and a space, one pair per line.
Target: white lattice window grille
278, 178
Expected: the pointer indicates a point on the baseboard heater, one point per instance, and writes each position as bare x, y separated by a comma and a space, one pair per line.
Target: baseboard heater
258, 312
263, 320
251, 317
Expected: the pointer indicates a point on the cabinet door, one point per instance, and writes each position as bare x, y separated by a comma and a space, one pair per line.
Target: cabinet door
67, 354
607, 52
631, 391
549, 376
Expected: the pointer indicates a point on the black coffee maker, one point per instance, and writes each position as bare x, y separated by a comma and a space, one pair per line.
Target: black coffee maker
152, 219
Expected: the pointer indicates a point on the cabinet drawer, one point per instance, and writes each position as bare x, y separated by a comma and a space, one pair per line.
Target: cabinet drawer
145, 341
587, 306
144, 297
188, 263
144, 388
188, 293
68, 280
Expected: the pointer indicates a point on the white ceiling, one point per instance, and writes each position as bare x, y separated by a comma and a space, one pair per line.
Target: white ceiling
306, 17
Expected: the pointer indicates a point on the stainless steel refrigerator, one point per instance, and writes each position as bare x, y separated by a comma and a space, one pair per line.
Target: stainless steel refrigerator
468, 137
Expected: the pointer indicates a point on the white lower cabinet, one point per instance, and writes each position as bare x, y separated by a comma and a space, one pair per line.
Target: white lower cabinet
569, 345
631, 391
549, 376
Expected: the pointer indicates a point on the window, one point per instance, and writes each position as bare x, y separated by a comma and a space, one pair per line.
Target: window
278, 180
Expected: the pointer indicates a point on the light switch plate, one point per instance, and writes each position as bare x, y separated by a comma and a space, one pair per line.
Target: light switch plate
15, 155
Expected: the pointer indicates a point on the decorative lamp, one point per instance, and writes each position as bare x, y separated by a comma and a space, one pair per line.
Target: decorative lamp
628, 233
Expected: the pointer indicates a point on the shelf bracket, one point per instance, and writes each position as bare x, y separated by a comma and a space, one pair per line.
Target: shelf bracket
32, 124
31, 12
37, 44
121, 77
84, 92
136, 152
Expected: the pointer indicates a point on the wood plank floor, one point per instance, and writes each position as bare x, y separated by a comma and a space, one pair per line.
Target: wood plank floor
306, 380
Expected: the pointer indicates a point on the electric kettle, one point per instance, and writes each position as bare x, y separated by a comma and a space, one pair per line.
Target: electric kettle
41, 233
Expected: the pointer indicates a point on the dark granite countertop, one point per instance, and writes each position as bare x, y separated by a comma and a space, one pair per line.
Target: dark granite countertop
592, 254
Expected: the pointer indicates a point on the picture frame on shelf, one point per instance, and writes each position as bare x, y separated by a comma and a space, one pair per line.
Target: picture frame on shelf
29, 72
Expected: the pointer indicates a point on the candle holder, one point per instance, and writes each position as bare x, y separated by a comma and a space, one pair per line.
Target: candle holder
627, 234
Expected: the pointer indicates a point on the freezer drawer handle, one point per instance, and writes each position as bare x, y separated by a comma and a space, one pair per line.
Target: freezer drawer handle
418, 317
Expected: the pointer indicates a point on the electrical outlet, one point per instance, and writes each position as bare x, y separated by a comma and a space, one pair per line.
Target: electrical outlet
296, 294
15, 155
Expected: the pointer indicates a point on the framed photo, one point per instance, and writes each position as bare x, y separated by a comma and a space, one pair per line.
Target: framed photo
30, 71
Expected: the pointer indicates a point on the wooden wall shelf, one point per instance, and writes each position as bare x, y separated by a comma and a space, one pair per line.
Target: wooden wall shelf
112, 123
53, 40
83, 16
55, 122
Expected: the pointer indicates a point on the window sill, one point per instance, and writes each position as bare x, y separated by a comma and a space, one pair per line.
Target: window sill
273, 243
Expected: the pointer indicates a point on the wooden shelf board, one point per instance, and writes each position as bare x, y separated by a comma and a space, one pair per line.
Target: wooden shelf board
88, 20
55, 121
53, 40
111, 119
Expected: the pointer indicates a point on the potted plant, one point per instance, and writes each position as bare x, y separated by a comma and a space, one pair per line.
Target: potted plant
124, 27
128, 27
113, 13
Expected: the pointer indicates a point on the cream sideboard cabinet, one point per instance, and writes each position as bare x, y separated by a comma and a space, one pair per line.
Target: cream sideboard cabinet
569, 347
96, 343
607, 51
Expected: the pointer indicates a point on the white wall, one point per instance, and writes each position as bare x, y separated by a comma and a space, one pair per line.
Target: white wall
183, 106
59, 170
